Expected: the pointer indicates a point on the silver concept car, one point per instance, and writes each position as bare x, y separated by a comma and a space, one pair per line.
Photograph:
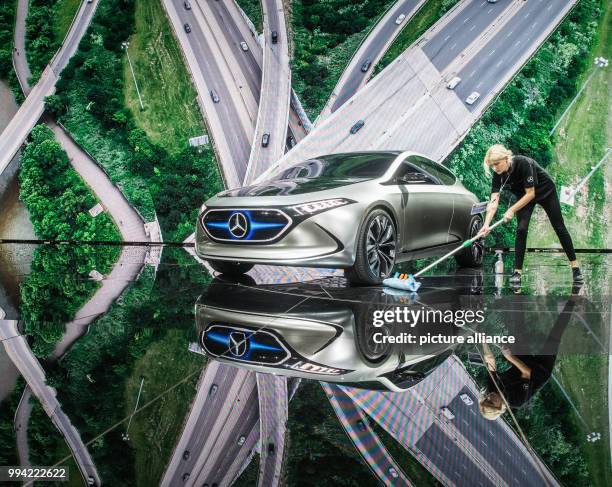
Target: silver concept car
361, 212
273, 329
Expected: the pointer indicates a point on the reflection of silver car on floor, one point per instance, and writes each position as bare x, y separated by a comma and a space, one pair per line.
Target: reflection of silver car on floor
362, 212
331, 336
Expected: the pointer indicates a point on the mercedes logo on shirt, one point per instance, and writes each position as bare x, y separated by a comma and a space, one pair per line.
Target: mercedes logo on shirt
238, 225
237, 343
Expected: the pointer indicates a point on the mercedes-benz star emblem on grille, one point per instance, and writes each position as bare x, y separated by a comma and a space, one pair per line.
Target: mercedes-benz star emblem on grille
238, 225
237, 343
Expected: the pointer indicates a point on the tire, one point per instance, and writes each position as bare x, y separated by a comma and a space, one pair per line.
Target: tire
378, 234
474, 254
230, 268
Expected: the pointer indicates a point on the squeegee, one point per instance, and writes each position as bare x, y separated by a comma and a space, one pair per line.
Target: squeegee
410, 283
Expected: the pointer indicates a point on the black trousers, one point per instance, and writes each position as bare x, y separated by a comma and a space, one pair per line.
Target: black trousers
552, 207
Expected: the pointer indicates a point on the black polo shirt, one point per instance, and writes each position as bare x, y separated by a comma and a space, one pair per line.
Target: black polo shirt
524, 173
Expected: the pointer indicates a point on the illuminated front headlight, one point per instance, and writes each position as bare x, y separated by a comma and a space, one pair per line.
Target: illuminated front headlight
315, 207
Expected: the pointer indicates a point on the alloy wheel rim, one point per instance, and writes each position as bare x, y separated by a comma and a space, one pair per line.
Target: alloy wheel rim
380, 246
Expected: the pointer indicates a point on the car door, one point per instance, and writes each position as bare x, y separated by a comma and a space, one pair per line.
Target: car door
428, 210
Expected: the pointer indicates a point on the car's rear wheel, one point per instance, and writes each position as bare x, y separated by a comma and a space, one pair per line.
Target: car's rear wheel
473, 255
230, 268
375, 253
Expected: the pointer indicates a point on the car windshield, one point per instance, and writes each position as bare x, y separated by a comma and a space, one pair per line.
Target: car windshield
357, 166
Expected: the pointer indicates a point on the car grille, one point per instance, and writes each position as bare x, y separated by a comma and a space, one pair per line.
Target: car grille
241, 344
245, 225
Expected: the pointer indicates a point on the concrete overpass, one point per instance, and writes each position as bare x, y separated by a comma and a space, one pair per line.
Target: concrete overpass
15, 134
407, 106
465, 451
367, 442
274, 101
19, 351
371, 50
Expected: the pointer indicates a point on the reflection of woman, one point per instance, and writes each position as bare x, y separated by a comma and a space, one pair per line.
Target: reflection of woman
527, 373
531, 185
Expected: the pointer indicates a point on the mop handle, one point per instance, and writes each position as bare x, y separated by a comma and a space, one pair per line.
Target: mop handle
467, 243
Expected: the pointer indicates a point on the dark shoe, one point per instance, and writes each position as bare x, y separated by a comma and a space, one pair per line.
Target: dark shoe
515, 279
577, 275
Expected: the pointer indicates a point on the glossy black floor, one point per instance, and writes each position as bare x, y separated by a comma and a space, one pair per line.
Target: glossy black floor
155, 372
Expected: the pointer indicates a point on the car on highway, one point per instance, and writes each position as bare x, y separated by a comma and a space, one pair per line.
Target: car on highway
274, 36
392, 471
265, 139
447, 413
357, 127
470, 100
467, 399
244, 46
366, 65
187, 28
491, 1
241, 440
272, 329
271, 449
361, 425
291, 141
90, 479
214, 96
186, 476
400, 19
452, 84
361, 212
187, 5
186, 455
213, 389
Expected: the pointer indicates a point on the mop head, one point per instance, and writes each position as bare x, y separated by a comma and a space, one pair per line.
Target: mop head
408, 283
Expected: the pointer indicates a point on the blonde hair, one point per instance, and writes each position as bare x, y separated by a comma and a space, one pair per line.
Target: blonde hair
495, 152
490, 411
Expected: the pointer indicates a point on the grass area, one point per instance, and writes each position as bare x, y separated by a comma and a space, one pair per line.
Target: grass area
65, 10
423, 20
584, 377
252, 8
171, 114
581, 141
155, 431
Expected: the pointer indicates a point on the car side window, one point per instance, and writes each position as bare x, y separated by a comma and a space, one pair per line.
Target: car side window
411, 174
436, 170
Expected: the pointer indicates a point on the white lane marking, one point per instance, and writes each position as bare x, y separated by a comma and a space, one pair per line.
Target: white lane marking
492, 52
481, 441
466, 19
499, 63
508, 453
491, 433
446, 38
473, 27
526, 15
472, 74
533, 25
517, 43
483, 4
453, 46
489, 11
549, 7
510, 33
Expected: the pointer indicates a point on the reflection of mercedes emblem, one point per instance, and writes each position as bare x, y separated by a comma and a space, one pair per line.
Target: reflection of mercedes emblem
238, 225
237, 343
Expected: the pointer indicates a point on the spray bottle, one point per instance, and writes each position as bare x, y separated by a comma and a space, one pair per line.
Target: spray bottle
499, 263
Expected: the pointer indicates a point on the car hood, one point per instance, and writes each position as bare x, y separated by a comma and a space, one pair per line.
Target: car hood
288, 187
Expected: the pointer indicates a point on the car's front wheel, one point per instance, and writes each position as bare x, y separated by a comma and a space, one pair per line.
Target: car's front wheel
473, 255
230, 268
375, 253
